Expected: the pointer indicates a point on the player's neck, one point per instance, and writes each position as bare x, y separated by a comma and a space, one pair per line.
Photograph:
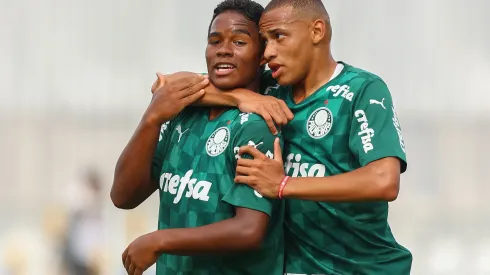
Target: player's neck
318, 75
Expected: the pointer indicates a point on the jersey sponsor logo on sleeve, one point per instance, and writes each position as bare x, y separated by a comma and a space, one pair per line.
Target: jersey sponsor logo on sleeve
343, 91
319, 123
218, 141
365, 133
162, 129
303, 169
177, 185
381, 103
396, 123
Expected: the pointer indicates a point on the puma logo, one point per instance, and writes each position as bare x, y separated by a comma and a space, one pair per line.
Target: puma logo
374, 101
251, 143
179, 131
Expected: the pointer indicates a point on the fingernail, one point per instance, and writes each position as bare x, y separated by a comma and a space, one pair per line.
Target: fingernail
205, 81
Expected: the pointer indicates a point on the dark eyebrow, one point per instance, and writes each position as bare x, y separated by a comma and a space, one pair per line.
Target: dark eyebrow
270, 31
211, 34
242, 31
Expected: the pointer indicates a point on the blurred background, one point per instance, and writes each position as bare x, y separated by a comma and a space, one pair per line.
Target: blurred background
75, 78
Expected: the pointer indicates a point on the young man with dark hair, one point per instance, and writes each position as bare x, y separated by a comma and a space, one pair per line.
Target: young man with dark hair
344, 151
207, 224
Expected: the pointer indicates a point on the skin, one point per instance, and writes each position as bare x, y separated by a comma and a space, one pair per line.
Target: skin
298, 51
232, 39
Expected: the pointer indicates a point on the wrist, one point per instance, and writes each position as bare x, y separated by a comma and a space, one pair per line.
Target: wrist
236, 98
151, 121
160, 242
288, 190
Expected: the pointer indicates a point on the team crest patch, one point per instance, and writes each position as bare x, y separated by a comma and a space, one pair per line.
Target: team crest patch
319, 123
218, 141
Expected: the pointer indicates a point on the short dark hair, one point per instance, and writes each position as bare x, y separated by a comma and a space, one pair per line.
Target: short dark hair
248, 8
311, 7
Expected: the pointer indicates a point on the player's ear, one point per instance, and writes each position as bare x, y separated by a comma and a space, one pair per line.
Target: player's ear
318, 31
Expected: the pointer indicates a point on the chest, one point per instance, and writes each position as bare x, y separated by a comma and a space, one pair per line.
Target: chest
196, 162
317, 139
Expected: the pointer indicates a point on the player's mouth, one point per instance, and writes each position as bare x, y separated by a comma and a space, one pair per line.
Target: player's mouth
222, 69
275, 69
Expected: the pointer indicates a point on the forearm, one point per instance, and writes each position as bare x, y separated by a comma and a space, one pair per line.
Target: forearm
214, 97
363, 184
221, 237
132, 176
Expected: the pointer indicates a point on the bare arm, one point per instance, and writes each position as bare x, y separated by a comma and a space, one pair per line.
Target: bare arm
377, 181
243, 232
132, 180
132, 177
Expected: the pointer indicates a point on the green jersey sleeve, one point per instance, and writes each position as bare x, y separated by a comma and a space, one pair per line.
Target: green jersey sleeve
158, 156
257, 134
375, 131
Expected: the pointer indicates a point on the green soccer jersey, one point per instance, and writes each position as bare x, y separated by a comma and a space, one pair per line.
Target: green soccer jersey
196, 162
344, 125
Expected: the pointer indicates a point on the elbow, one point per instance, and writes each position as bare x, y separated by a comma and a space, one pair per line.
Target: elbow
388, 184
252, 237
389, 188
120, 201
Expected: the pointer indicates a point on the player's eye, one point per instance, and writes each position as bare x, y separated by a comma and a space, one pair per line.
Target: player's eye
278, 35
240, 43
214, 42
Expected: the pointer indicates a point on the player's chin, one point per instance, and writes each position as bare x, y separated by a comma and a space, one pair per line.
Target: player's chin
226, 83
284, 79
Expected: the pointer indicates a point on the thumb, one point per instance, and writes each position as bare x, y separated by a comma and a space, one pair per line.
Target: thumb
277, 151
161, 79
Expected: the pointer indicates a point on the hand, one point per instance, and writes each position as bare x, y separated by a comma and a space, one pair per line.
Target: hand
163, 79
262, 174
171, 94
140, 254
273, 110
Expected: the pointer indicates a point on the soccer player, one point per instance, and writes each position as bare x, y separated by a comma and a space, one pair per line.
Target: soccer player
343, 151
207, 224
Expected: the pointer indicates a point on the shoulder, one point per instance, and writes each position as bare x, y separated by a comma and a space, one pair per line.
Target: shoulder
250, 123
358, 82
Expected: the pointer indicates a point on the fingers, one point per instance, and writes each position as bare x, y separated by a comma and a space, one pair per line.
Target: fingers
281, 116
184, 84
138, 271
277, 150
132, 268
127, 263
264, 113
193, 97
243, 180
194, 88
254, 152
124, 256
245, 162
243, 171
284, 107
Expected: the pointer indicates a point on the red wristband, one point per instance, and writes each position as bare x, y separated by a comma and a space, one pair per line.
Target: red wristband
281, 187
